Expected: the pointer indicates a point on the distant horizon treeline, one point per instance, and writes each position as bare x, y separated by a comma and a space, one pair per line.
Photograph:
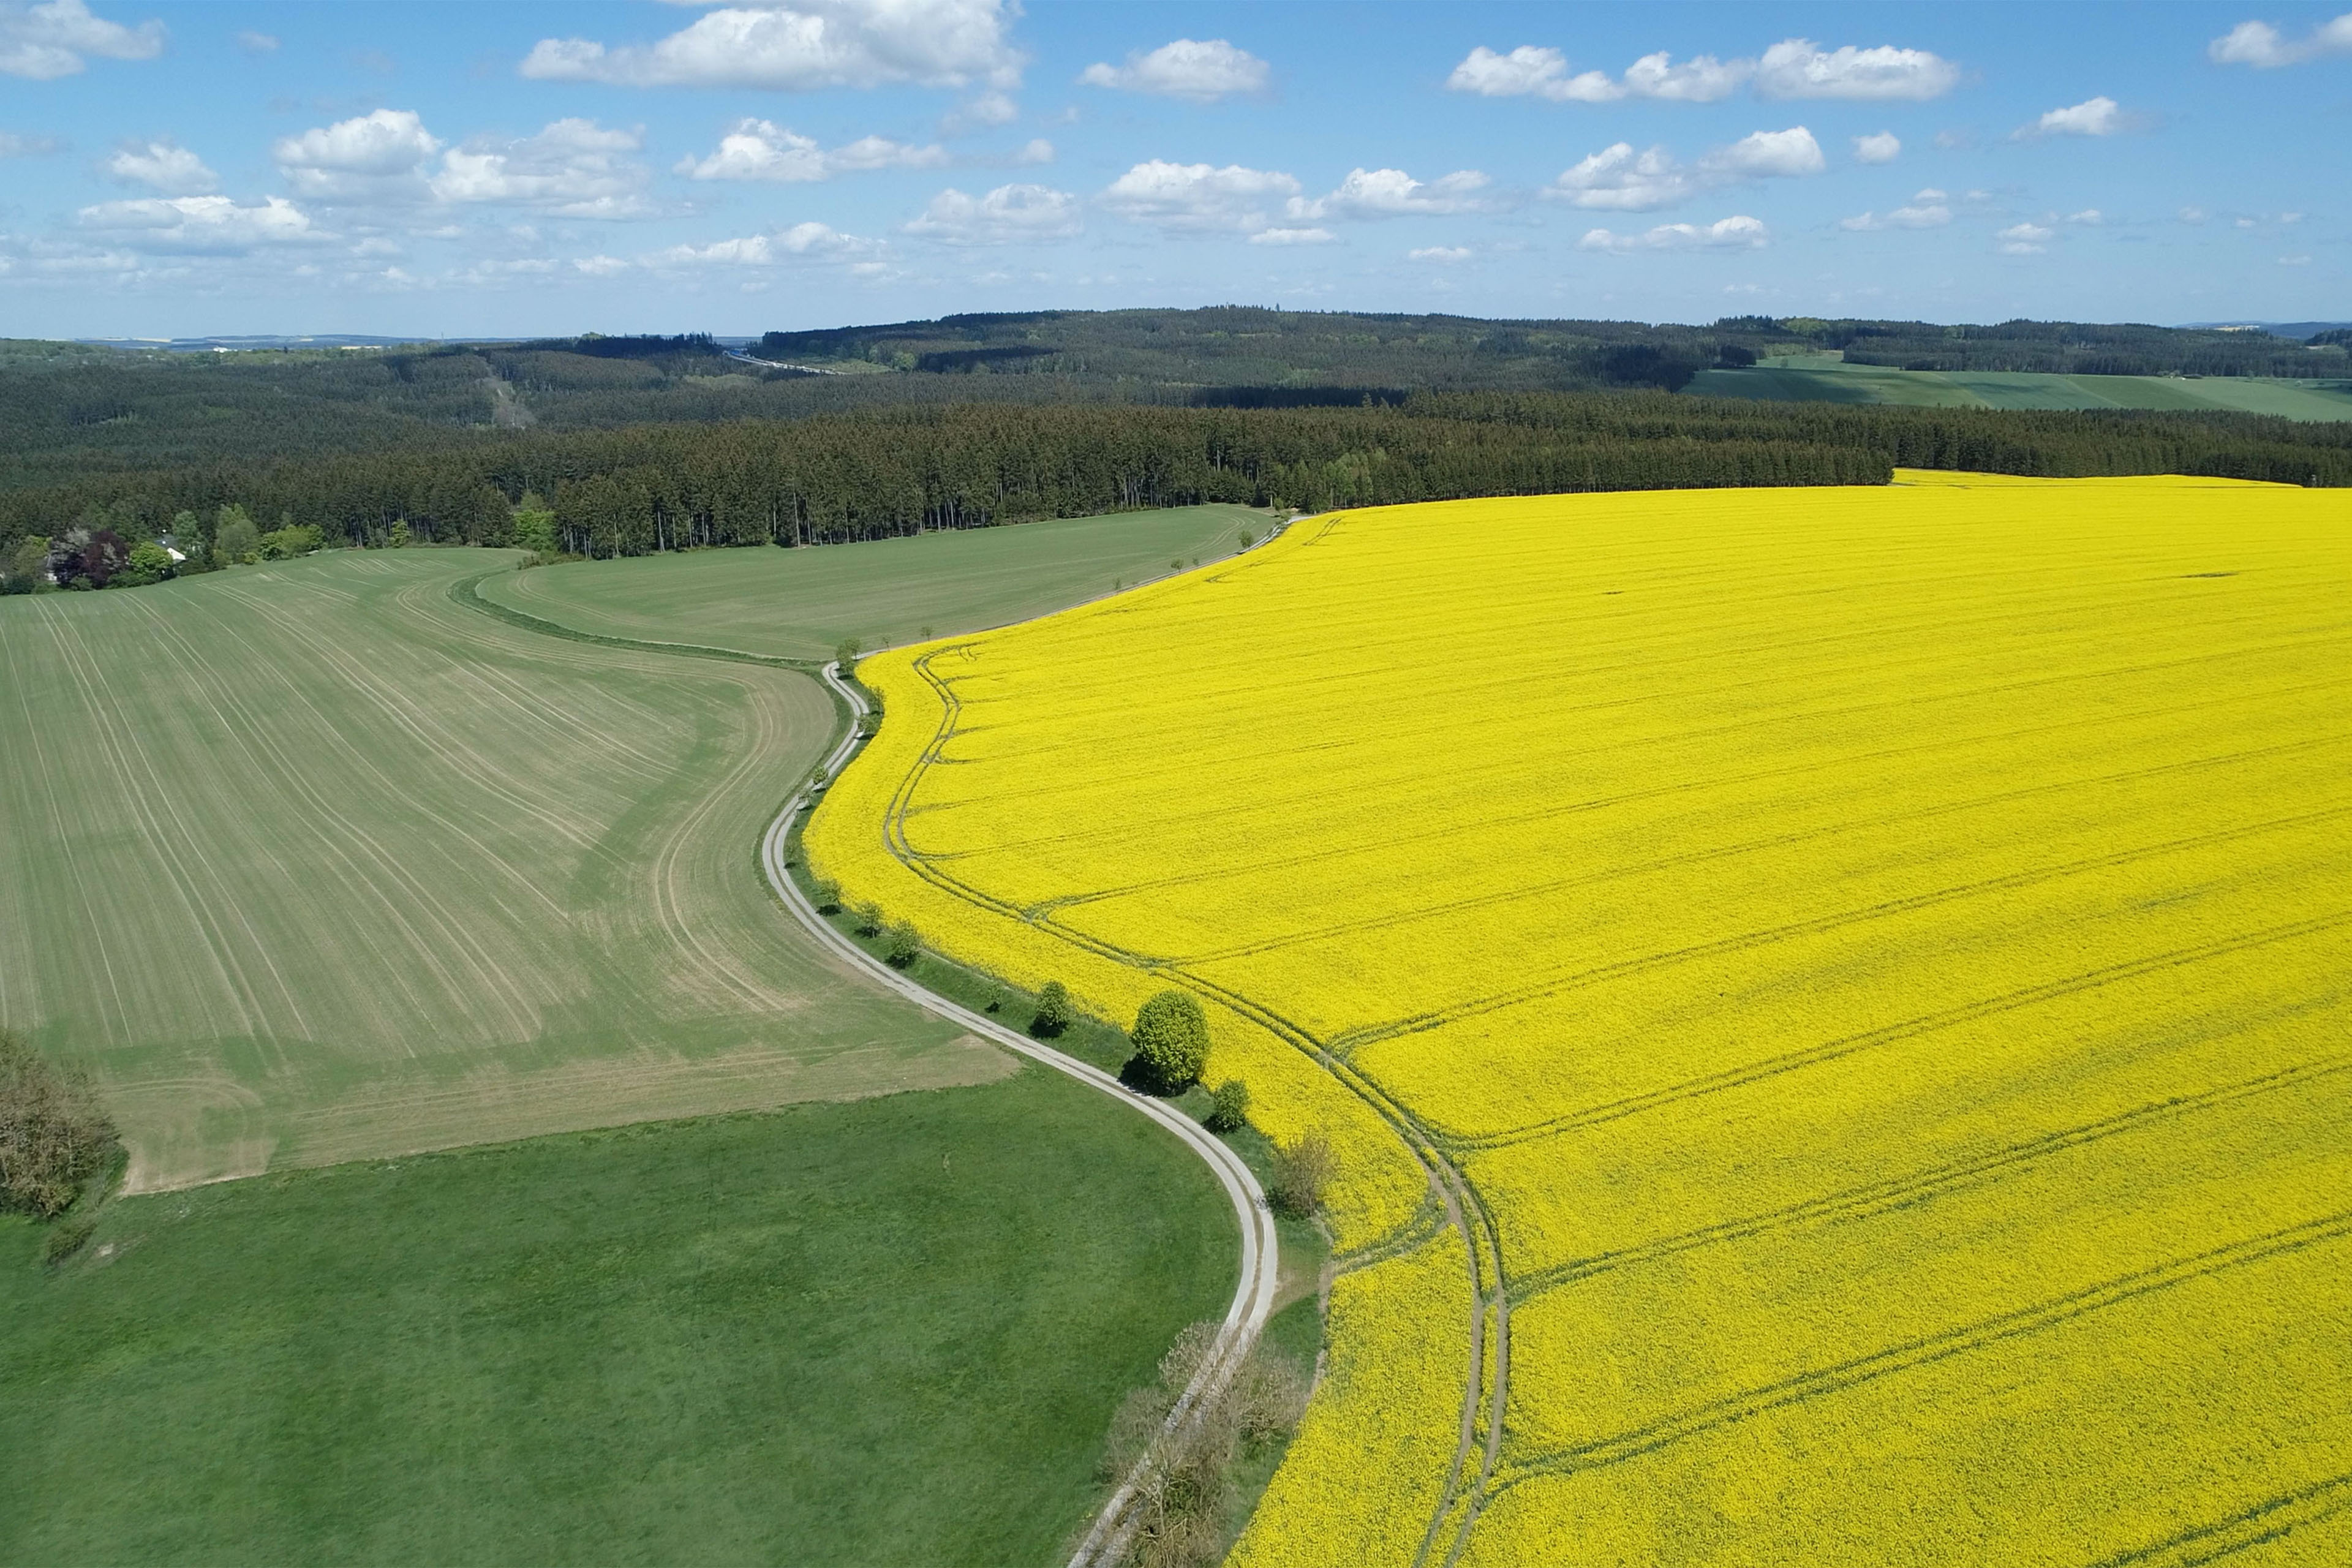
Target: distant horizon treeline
892, 471
68, 411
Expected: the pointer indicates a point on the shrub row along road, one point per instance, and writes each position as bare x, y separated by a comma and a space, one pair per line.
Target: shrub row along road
1252, 1295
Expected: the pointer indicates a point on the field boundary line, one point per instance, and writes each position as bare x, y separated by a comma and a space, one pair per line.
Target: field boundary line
1253, 1302
1483, 1396
466, 591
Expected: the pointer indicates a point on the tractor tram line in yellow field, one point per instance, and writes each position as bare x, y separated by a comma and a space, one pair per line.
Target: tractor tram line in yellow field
1860, 974
1486, 1386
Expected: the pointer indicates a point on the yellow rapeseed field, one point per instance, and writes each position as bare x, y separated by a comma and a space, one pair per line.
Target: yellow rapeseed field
1832, 1003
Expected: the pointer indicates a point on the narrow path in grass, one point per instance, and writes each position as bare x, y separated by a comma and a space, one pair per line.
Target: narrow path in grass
1252, 1295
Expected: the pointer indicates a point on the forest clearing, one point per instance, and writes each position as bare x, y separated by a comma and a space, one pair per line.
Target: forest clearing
1829, 1004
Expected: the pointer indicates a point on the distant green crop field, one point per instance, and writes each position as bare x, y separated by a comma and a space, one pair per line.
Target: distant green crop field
311, 864
1817, 379
889, 1333
800, 604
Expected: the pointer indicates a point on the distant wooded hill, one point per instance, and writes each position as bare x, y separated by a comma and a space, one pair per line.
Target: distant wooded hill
69, 412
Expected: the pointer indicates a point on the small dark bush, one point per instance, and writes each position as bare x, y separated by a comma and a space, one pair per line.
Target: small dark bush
904, 946
1052, 1014
1302, 1175
67, 1237
1230, 1107
826, 894
54, 1134
869, 919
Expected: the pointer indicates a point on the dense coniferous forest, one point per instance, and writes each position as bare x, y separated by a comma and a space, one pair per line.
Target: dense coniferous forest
1237, 346
624, 445
898, 470
68, 412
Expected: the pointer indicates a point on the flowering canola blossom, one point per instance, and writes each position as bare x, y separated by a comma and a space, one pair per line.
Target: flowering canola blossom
1832, 1005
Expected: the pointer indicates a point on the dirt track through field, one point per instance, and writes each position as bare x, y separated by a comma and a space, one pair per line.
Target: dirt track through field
1260, 1252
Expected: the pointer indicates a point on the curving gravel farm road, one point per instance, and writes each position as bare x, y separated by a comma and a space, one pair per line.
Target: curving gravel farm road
1105, 1542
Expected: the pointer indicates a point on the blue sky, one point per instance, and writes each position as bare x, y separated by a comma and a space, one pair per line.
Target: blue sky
468, 169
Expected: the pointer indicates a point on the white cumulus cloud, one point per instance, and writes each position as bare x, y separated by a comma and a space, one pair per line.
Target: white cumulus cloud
2264, 47
2023, 239
43, 42
1009, 214
1796, 67
1925, 210
1737, 233
1198, 198
1200, 70
371, 157
14, 146
200, 224
1447, 254
1533, 71
762, 149
1879, 147
1393, 193
163, 167
2092, 117
1294, 237
254, 43
1619, 179
1770, 154
806, 45
574, 168
803, 242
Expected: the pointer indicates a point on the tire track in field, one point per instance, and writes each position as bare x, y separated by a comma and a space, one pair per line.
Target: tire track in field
1336, 671
1929, 1181
121, 744
1484, 1395
1558, 984
1620, 872
94, 933
1494, 782
1891, 1034
1442, 734
1928, 1350
462, 761
353, 850
2273, 1519
411, 720
269, 764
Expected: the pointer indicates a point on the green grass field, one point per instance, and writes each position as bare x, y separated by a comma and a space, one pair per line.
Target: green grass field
889, 1332
311, 864
1817, 378
798, 604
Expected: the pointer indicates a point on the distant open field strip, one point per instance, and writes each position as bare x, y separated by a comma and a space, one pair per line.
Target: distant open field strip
799, 603
886, 1333
1818, 378
312, 864
1833, 1005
